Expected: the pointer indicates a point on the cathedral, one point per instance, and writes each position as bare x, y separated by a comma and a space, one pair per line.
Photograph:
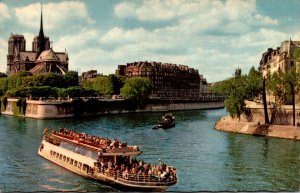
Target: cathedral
41, 59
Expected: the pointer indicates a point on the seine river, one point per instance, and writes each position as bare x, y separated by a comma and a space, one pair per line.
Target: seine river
206, 159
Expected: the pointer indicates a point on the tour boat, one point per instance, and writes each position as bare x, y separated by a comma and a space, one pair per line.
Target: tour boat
168, 121
107, 161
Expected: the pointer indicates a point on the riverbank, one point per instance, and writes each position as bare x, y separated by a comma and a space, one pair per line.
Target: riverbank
55, 109
253, 128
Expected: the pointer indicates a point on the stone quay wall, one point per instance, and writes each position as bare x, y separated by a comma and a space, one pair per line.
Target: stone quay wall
252, 122
54, 109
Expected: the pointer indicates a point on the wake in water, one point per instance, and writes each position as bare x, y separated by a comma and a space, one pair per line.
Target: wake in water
52, 188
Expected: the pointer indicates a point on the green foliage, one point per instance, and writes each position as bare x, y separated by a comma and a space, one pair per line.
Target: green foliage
71, 79
116, 84
15, 109
238, 89
275, 86
296, 53
2, 75
17, 79
279, 83
75, 91
105, 85
138, 88
24, 84
235, 106
3, 85
253, 83
41, 91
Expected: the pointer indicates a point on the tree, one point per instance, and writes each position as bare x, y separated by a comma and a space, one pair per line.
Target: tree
235, 87
75, 91
3, 85
116, 82
71, 79
256, 85
106, 85
2, 75
292, 80
240, 88
284, 86
138, 88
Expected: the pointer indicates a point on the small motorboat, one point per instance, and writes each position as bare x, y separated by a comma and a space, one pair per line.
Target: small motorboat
168, 121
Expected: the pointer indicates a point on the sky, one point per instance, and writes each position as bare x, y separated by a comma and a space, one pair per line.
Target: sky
213, 36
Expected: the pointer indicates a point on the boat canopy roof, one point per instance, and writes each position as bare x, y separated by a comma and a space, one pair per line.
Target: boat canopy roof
101, 146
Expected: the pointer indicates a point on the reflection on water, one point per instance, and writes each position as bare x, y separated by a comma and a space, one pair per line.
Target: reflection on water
206, 159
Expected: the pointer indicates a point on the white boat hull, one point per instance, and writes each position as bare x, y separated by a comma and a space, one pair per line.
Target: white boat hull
45, 152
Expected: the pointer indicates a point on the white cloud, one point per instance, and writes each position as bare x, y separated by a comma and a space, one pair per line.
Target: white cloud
55, 15
157, 10
236, 10
203, 34
117, 35
76, 41
125, 9
91, 58
266, 20
195, 13
4, 14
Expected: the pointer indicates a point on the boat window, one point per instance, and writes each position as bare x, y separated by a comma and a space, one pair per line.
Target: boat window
79, 150
71, 162
68, 159
79, 164
60, 156
64, 158
75, 163
51, 152
57, 155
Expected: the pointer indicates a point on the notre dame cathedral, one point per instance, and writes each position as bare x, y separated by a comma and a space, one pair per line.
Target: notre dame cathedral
41, 59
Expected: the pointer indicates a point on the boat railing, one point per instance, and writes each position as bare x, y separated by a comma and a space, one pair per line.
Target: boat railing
139, 179
144, 179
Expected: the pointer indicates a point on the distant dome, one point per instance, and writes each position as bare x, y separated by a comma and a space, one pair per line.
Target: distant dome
48, 55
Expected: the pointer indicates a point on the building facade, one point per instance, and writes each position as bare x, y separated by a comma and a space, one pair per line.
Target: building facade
169, 81
40, 59
282, 58
89, 75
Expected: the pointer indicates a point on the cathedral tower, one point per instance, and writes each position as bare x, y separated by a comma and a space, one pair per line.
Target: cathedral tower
41, 44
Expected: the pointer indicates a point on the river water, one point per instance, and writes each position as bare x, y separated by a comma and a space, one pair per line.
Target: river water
206, 159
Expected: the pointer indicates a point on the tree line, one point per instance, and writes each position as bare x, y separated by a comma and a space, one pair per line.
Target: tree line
24, 84
283, 86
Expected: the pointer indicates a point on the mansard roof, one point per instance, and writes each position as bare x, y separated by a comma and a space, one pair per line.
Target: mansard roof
48, 55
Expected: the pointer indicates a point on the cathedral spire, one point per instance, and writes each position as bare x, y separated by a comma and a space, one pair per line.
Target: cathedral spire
41, 43
41, 34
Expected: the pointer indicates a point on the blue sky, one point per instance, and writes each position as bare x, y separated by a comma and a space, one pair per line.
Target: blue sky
213, 36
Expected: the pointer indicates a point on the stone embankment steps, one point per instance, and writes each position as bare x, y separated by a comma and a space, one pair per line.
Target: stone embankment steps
279, 131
